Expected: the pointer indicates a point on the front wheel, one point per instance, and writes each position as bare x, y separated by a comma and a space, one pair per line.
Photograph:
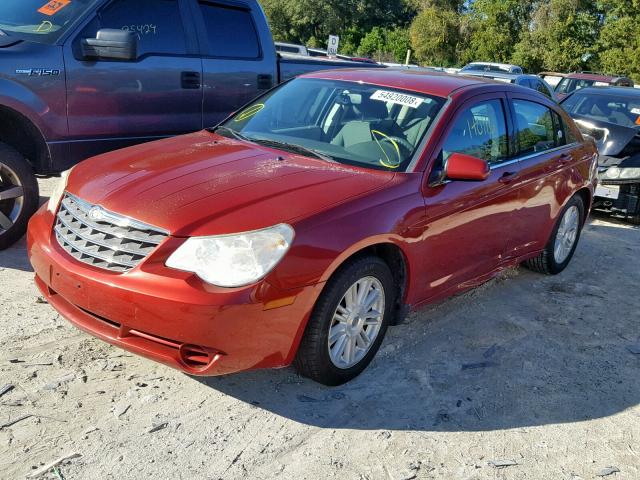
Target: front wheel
563, 242
348, 322
19, 195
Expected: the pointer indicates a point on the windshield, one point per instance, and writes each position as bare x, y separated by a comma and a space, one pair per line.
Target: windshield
568, 85
616, 109
39, 20
351, 123
487, 68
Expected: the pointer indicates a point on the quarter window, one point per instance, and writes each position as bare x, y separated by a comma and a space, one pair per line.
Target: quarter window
535, 128
230, 31
157, 24
479, 131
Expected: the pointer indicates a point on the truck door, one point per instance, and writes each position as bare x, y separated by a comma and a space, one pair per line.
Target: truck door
114, 103
238, 55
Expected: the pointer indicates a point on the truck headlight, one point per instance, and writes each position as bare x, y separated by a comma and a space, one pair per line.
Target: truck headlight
234, 260
628, 173
58, 191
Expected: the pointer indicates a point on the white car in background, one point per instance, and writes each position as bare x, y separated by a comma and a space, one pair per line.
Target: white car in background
492, 67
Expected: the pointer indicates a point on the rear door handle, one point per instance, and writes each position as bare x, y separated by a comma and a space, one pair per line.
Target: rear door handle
508, 177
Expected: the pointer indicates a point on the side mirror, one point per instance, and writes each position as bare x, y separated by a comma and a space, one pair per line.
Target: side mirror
465, 167
111, 44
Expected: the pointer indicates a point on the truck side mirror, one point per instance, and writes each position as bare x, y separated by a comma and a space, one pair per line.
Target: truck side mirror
111, 44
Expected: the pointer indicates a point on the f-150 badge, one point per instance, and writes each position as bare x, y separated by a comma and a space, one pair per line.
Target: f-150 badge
38, 72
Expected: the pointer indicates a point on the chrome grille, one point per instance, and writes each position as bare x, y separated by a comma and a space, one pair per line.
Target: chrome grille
101, 238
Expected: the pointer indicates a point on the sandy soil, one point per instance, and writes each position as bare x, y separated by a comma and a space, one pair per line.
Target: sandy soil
534, 371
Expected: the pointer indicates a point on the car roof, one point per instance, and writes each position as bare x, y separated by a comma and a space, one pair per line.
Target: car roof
430, 83
598, 77
507, 65
621, 91
505, 75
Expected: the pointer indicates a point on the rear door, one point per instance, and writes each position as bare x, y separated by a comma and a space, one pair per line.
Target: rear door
470, 223
113, 103
238, 61
542, 175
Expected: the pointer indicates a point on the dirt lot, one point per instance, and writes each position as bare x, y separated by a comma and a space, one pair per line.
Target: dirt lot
531, 370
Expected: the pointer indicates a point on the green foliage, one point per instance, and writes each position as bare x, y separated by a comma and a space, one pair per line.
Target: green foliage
561, 35
434, 36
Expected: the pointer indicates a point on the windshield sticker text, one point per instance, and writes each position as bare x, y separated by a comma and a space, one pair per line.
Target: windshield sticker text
53, 7
397, 98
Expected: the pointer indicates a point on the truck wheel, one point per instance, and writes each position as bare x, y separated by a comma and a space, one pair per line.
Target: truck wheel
348, 322
19, 195
563, 242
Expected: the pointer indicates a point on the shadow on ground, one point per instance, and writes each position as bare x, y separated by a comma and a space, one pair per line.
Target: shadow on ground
522, 351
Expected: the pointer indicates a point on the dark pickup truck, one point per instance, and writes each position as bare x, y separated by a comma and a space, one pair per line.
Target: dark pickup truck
81, 77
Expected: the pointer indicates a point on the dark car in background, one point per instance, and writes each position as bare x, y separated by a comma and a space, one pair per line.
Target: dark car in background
82, 77
611, 115
529, 81
575, 81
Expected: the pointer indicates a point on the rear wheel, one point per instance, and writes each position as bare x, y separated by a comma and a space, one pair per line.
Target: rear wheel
563, 242
348, 322
19, 195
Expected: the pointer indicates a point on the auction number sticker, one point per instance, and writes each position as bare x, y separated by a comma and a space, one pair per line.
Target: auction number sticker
53, 7
397, 98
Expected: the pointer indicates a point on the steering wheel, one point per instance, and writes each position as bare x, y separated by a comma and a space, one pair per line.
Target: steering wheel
400, 142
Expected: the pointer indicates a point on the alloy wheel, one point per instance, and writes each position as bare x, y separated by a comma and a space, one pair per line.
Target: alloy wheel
356, 322
567, 234
11, 197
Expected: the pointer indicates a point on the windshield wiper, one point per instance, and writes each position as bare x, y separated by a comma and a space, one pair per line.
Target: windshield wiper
233, 132
295, 148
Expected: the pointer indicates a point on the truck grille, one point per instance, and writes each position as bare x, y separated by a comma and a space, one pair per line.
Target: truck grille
104, 239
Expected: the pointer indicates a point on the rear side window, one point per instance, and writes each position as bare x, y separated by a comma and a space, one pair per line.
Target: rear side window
541, 87
230, 31
479, 131
157, 24
535, 128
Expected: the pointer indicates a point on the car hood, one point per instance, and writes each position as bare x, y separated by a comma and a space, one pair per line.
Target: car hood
610, 138
205, 184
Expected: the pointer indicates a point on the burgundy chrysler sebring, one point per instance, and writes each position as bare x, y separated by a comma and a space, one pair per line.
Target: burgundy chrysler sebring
304, 225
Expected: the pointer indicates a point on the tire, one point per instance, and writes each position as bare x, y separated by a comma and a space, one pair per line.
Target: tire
314, 359
15, 173
547, 262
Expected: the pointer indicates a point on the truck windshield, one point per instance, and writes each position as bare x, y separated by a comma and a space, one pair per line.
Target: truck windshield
352, 123
39, 20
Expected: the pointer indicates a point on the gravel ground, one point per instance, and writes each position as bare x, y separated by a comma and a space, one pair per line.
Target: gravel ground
527, 377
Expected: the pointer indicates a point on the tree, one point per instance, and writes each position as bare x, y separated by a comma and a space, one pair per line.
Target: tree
434, 36
618, 46
385, 45
495, 28
560, 36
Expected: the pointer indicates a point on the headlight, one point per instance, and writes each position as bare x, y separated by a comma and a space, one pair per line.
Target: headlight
629, 173
613, 172
58, 191
233, 260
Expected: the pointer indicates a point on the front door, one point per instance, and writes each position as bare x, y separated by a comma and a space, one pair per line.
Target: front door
470, 222
238, 59
113, 103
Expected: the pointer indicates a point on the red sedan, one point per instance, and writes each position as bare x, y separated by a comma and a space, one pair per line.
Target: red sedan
303, 226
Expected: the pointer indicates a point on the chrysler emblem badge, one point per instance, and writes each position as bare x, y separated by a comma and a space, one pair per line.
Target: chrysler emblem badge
96, 213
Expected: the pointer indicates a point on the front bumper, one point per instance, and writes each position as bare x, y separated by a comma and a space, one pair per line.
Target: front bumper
169, 316
627, 202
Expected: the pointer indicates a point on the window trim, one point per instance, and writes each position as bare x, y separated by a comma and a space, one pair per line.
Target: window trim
202, 32
512, 109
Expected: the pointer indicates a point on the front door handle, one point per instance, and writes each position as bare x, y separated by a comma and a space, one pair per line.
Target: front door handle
508, 177
565, 158
190, 80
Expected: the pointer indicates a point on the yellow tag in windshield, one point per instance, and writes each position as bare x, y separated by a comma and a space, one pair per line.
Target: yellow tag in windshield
54, 6
249, 112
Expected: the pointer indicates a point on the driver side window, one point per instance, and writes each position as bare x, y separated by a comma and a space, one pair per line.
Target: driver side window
479, 131
156, 23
